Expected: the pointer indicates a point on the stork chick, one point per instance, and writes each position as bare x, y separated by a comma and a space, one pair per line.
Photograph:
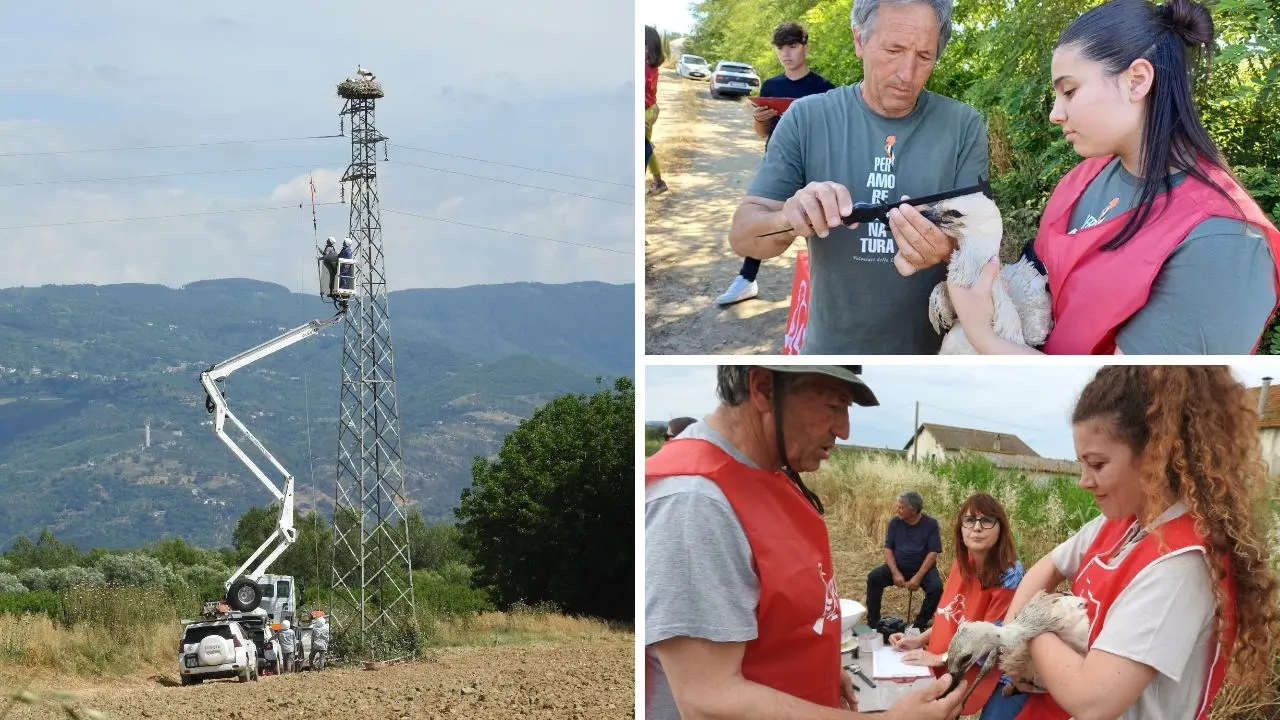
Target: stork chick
1022, 307
1058, 613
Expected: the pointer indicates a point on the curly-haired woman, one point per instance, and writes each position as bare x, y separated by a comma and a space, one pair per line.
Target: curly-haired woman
1175, 573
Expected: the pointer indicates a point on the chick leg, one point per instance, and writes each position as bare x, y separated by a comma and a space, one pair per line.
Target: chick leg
992, 660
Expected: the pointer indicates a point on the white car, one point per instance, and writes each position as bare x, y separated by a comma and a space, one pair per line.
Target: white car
693, 67
733, 78
216, 649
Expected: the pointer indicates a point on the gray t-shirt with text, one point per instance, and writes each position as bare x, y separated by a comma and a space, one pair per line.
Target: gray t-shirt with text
1214, 294
859, 304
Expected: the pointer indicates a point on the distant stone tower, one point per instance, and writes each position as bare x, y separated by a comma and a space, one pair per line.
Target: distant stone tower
372, 575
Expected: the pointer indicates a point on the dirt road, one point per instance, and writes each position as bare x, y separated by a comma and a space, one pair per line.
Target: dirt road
709, 154
586, 680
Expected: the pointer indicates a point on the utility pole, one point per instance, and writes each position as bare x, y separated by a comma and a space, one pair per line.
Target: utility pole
915, 437
372, 573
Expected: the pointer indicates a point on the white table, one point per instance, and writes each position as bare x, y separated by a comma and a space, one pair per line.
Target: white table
886, 692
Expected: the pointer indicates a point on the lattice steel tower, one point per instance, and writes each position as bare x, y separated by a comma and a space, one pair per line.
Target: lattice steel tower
372, 575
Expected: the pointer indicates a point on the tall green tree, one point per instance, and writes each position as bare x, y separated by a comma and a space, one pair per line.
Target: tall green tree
551, 518
47, 553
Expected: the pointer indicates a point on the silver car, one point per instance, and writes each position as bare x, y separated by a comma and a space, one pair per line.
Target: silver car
733, 78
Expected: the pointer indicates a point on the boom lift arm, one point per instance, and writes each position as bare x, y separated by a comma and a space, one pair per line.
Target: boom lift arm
216, 403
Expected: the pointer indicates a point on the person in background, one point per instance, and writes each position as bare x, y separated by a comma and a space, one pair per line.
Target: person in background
346, 281
980, 585
677, 426
791, 45
911, 548
319, 643
330, 257
288, 644
653, 58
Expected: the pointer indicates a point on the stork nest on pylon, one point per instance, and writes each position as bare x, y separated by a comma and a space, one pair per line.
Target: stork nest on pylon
359, 89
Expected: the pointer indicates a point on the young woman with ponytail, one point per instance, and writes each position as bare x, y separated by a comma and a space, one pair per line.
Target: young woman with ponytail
1150, 245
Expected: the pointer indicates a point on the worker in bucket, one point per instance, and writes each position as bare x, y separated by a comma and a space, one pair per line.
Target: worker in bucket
742, 614
319, 643
288, 645
330, 257
345, 279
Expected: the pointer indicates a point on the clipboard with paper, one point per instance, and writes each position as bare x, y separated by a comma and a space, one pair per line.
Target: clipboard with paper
888, 665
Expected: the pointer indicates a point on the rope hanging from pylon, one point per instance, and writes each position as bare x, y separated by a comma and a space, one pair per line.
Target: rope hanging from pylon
315, 228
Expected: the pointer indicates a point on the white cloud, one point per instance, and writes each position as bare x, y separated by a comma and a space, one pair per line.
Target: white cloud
544, 85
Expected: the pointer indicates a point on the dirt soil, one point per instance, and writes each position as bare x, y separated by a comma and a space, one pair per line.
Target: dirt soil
574, 680
709, 154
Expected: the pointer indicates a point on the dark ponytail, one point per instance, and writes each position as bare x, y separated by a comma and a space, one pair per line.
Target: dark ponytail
1176, 38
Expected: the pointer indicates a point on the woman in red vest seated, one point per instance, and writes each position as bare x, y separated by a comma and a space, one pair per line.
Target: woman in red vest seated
979, 586
1175, 573
1134, 265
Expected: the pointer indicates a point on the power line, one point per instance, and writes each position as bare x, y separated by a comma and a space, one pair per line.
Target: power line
161, 175
169, 147
509, 232
510, 165
155, 217
990, 420
510, 182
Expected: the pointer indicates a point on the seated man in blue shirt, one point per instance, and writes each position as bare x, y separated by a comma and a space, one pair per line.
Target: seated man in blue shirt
911, 549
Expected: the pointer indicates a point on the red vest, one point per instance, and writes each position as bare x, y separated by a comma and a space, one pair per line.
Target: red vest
797, 648
1099, 584
968, 601
1094, 292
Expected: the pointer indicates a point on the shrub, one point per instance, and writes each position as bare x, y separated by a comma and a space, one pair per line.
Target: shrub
43, 602
34, 579
134, 570
10, 584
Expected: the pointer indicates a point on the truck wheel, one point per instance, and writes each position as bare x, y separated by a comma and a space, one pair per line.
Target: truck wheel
244, 595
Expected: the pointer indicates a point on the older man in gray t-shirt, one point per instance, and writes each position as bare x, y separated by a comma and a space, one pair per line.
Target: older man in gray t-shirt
875, 141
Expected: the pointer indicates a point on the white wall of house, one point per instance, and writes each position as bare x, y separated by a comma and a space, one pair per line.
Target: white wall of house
928, 447
1270, 440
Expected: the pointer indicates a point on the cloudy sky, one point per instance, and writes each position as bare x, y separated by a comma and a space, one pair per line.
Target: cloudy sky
1033, 403
542, 84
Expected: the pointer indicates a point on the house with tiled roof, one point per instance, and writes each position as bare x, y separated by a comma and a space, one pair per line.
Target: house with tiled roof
1003, 450
1267, 396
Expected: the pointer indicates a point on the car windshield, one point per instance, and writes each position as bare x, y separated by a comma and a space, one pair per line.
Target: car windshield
694, 60
266, 589
733, 67
194, 635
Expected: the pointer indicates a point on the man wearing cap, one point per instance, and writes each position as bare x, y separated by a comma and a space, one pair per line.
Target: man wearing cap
742, 614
